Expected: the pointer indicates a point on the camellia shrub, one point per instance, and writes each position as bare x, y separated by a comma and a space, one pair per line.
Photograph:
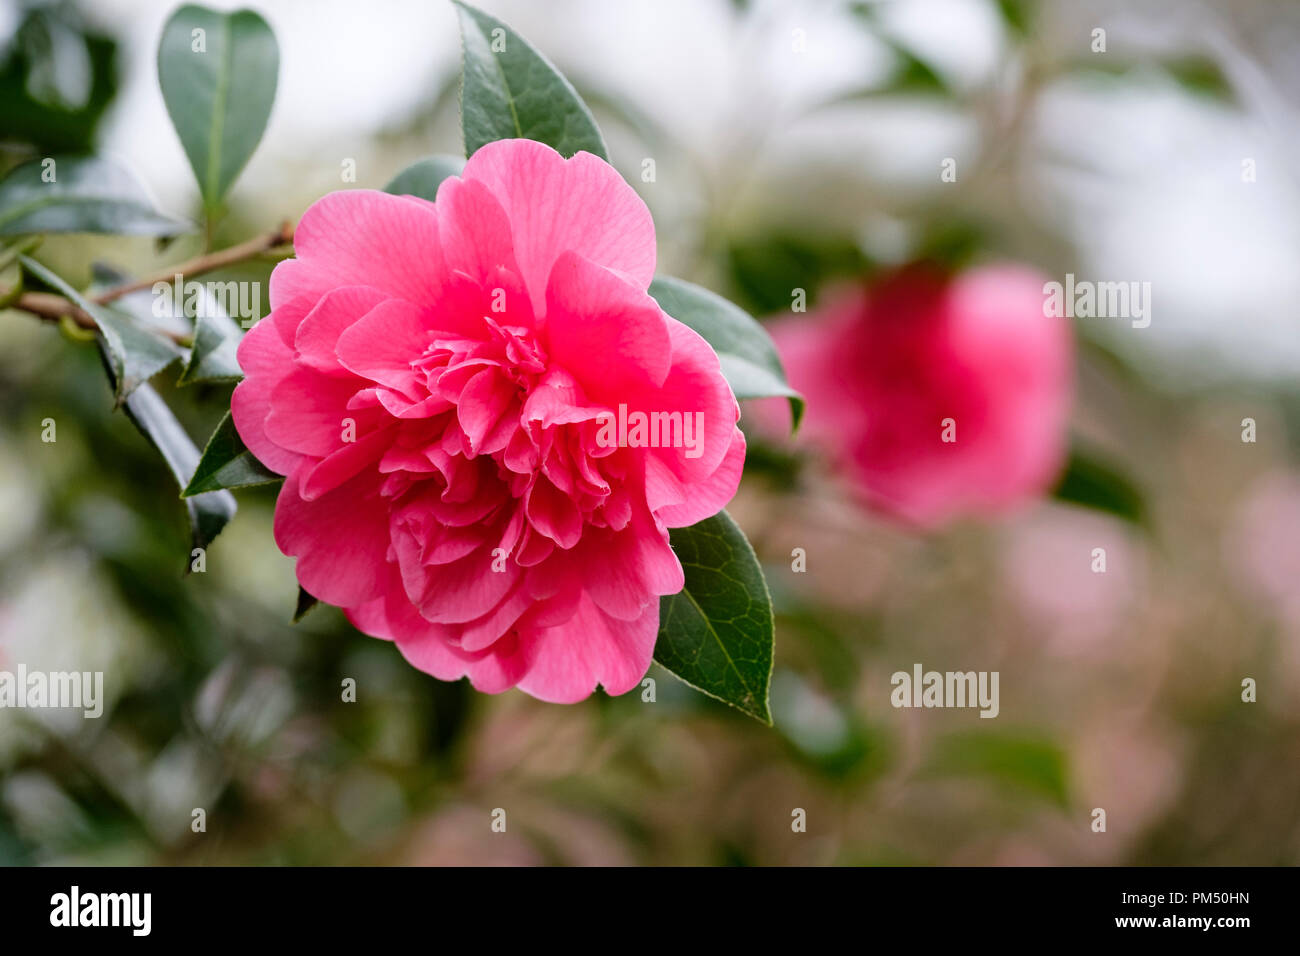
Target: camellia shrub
503, 442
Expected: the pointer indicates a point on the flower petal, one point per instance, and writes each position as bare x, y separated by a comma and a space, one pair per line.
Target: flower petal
265, 358
316, 338
383, 343
609, 335
340, 539
556, 205
364, 237
565, 663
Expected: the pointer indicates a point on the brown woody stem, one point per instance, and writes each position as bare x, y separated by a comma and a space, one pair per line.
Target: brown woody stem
52, 307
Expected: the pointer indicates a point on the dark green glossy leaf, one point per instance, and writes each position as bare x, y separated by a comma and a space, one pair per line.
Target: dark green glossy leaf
745, 351
88, 194
1092, 483
216, 338
130, 352
208, 513
227, 463
717, 633
423, 177
134, 354
219, 96
511, 91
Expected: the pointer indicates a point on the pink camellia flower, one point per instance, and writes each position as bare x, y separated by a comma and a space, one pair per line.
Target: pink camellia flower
442, 385
938, 395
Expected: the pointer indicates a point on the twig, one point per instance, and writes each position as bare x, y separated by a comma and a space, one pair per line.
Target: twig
209, 262
52, 307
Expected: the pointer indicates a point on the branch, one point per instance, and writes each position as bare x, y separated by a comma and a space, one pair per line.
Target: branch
210, 262
50, 307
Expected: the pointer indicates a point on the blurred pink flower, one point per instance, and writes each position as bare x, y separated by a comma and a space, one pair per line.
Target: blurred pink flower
1048, 560
433, 380
1262, 541
938, 396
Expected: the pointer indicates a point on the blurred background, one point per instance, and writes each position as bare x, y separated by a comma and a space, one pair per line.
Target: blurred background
794, 144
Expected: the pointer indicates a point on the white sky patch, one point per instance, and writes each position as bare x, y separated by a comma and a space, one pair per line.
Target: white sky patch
1148, 183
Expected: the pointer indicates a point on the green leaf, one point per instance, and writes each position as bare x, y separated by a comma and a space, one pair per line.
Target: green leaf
130, 352
208, 513
216, 338
510, 91
745, 351
218, 85
717, 633
305, 603
133, 353
57, 77
88, 194
227, 463
1092, 483
423, 177
1027, 763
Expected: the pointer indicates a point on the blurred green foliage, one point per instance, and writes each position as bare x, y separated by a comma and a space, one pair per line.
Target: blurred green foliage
56, 80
